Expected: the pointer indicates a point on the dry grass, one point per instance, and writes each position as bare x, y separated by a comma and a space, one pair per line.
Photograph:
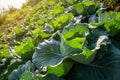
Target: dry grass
113, 5
2, 18
14, 17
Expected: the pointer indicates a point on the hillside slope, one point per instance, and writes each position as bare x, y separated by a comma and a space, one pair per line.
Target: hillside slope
62, 40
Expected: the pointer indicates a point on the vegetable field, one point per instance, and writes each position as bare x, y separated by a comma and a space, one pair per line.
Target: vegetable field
63, 40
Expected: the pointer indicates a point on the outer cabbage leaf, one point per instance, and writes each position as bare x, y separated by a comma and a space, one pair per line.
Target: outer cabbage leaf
19, 31
27, 67
79, 8
106, 66
86, 40
51, 77
85, 8
62, 69
58, 10
90, 7
111, 22
71, 1
107, 16
25, 50
48, 53
113, 27
4, 52
40, 32
74, 36
27, 76
13, 65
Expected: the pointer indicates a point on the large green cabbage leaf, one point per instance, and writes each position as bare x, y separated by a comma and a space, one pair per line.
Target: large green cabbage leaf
110, 21
62, 69
106, 66
25, 50
85, 8
51, 77
22, 69
48, 53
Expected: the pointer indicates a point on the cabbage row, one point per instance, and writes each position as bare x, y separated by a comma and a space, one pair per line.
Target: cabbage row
63, 40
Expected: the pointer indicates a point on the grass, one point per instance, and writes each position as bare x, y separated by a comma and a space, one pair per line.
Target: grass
4, 14
17, 15
2, 18
14, 17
